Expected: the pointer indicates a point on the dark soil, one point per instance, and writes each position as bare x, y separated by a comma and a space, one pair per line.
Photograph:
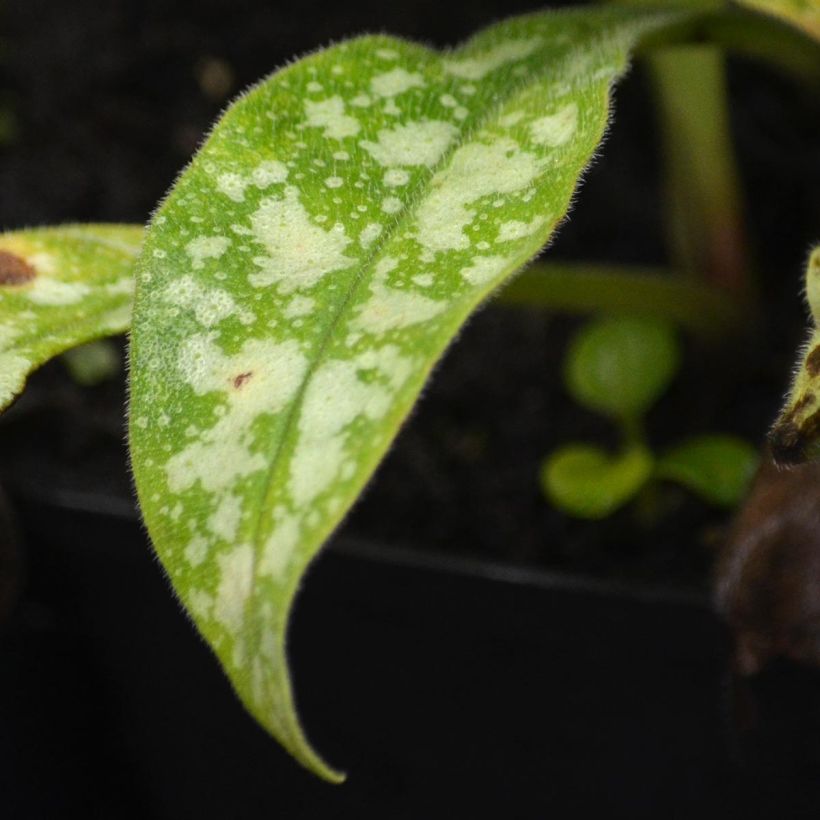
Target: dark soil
110, 100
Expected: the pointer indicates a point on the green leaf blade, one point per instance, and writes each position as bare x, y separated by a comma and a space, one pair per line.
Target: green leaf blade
304, 276
619, 366
718, 468
59, 288
585, 482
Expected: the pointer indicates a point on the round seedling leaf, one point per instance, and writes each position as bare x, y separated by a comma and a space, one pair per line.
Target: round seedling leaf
619, 366
717, 468
93, 363
586, 482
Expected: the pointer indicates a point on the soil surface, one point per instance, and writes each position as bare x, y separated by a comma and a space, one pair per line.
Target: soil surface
109, 101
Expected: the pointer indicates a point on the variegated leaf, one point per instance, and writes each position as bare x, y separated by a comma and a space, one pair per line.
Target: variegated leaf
60, 287
304, 275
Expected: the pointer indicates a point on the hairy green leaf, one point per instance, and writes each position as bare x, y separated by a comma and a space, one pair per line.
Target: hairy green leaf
304, 275
619, 366
718, 468
795, 436
586, 482
60, 287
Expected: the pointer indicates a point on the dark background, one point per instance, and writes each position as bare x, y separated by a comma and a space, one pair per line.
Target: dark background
446, 693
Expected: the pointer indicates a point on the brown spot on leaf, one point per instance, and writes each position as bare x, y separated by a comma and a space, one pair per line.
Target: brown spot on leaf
14, 270
813, 362
239, 381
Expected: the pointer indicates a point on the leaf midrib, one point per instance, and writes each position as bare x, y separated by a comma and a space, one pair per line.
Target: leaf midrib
294, 411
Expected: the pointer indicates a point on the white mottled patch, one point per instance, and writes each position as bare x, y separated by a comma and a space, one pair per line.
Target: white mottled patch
279, 547
335, 397
370, 233
299, 252
299, 306
423, 280
196, 551
122, 287
232, 185
396, 177
395, 82
206, 247
384, 266
516, 229
224, 521
513, 118
44, 263
13, 370
387, 53
334, 182
390, 308
260, 379
484, 269
414, 143
391, 205
556, 129
269, 172
235, 587
210, 305
474, 68
476, 170
201, 604
8, 333
330, 115
46, 291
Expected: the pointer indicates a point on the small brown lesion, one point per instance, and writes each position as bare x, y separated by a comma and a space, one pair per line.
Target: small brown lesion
14, 270
241, 379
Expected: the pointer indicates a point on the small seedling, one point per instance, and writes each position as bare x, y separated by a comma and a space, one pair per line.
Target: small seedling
619, 367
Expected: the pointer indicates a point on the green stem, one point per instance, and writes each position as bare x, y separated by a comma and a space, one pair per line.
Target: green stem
587, 288
703, 208
747, 34
764, 38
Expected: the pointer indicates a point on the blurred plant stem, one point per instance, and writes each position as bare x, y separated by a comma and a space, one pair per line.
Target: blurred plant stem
756, 36
703, 204
707, 311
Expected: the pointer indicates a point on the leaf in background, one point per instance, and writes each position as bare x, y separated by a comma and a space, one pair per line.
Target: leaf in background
304, 275
60, 287
586, 482
804, 14
717, 468
93, 363
619, 366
